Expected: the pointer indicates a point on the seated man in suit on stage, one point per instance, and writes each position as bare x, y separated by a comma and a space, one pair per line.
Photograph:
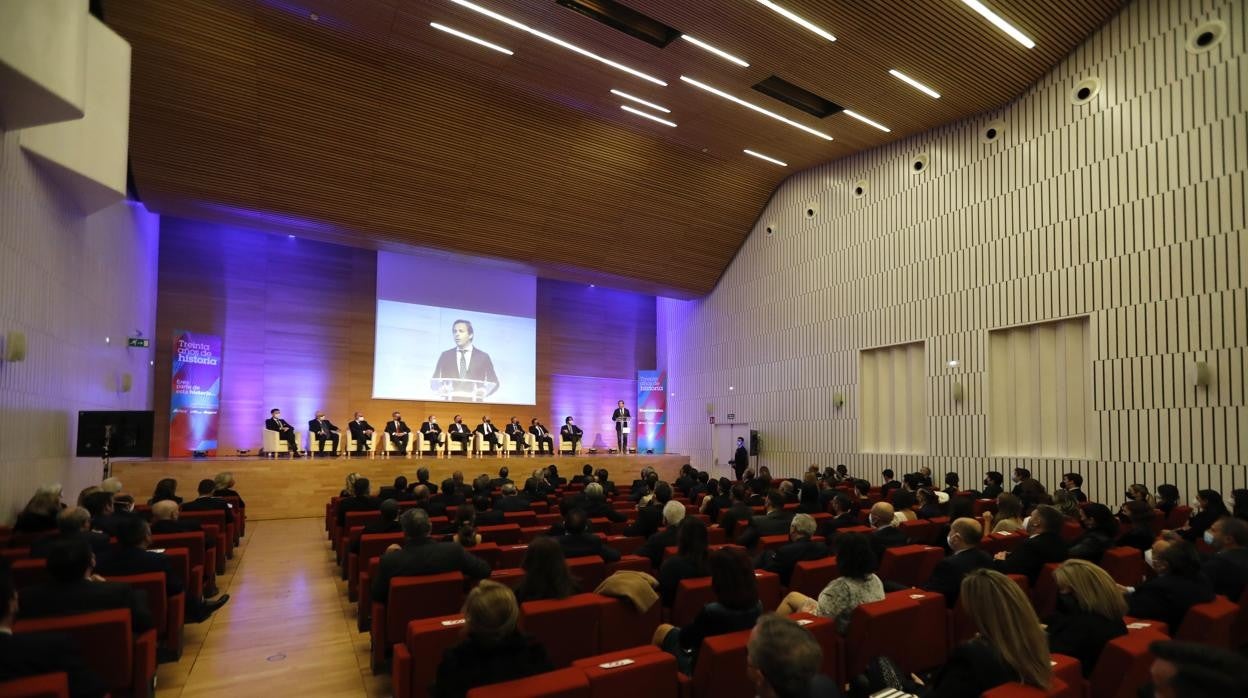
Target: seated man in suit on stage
362, 433
1044, 544
465, 368
208, 501
73, 523
133, 557
388, 523
578, 541
673, 515
775, 522
516, 433
570, 433
511, 499
321, 430
398, 432
800, 547
491, 440
459, 432
283, 429
421, 555
33, 654
361, 500
543, 441
886, 535
432, 434
964, 537
76, 589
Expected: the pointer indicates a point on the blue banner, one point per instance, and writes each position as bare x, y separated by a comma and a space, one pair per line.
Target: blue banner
651, 411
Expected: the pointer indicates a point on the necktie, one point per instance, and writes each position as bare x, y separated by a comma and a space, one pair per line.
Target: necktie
463, 363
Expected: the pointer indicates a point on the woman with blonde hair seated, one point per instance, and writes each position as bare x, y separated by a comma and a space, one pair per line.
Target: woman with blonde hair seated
1009, 516
493, 650
1090, 607
349, 491
40, 512
1010, 646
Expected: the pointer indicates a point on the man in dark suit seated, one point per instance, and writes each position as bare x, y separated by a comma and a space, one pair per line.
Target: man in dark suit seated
512, 500
1073, 483
362, 434
643, 484
422, 478
504, 478
73, 523
32, 654
586, 476
673, 515
578, 541
543, 440
650, 512
76, 589
686, 479
284, 431
775, 522
1044, 544
420, 555
104, 518
398, 433
432, 434
844, 515
571, 434
993, 485
596, 505
362, 500
885, 534
399, 491
602, 477
321, 430
783, 661
801, 546
133, 557
486, 513
963, 540
1227, 568
490, 436
433, 507
207, 501
389, 523
461, 434
738, 512
1178, 586
515, 432
455, 489
890, 484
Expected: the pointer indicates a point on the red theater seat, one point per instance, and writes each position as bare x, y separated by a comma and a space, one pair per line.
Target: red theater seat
1058, 689
195, 544
634, 563
919, 531
42, 686
644, 670
693, 594
1002, 542
720, 670
811, 576
29, 572
932, 616
506, 534
1178, 517
14, 554
1209, 623
1124, 564
905, 564
168, 612
1069, 673
1044, 594
621, 625
565, 683
213, 523
876, 629
415, 662
824, 630
371, 546
590, 571
511, 577
567, 628
1123, 666
412, 598
512, 555
125, 663
521, 518
627, 545
1239, 631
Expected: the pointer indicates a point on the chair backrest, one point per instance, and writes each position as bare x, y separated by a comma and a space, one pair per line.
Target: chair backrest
691, 595
41, 686
12, 554
568, 628
361, 518
902, 564
622, 626
521, 518
215, 516
1239, 631
426, 640
420, 597
1123, 666
1044, 595
824, 631
647, 672
153, 586
504, 534
720, 669
589, 570
1209, 623
512, 577
192, 541
1178, 516
1125, 564
106, 632
561, 683
878, 629
932, 615
30, 572
811, 576
919, 531
1071, 530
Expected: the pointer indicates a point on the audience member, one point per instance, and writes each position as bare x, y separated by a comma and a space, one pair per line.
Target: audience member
994, 485
736, 607
40, 512
360, 500
1009, 516
74, 588
966, 556
225, 487
808, 499
602, 477
454, 489
716, 500
1178, 586
801, 546
1191, 670
1100, 528
1211, 507
422, 478
1090, 608
1139, 493
929, 505
889, 483
493, 649
396, 491
844, 515
511, 500
738, 511
209, 502
774, 522
578, 541
165, 520
167, 488
650, 512
857, 584
546, 574
103, 517
487, 515
952, 481
673, 515
1044, 544
1227, 568
349, 490
783, 661
72, 524
465, 526
886, 534
690, 560
132, 557
1073, 483
1066, 505
388, 523
1029, 489
597, 507
1167, 498
421, 555
1239, 498
1139, 533
903, 501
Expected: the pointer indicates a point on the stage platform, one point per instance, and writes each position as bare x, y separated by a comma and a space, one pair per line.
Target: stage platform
286, 488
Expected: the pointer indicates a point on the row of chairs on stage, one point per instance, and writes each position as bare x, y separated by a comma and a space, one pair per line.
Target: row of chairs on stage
418, 446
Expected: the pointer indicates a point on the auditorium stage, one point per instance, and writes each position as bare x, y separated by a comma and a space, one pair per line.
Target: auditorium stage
284, 488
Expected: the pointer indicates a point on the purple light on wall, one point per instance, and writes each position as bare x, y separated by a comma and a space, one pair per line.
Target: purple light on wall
590, 401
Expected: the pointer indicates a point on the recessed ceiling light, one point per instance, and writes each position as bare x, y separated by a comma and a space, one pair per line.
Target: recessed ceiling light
998, 22
865, 120
639, 100
760, 156
470, 37
790, 15
556, 40
313, 16
755, 107
914, 83
648, 115
722, 54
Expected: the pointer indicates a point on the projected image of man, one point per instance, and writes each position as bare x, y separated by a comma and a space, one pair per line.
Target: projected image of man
465, 371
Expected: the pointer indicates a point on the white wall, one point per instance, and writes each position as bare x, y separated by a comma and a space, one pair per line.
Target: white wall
1129, 210
66, 281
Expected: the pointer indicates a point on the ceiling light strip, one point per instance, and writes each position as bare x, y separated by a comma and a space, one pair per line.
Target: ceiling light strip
997, 21
722, 54
470, 37
556, 40
639, 100
648, 115
755, 107
915, 84
760, 156
865, 120
790, 15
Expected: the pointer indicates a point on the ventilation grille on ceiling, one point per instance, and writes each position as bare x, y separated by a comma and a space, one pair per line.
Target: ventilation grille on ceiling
624, 19
794, 96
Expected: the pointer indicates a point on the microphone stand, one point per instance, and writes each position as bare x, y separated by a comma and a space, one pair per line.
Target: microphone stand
108, 437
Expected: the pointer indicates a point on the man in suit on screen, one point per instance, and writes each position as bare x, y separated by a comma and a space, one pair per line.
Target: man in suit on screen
464, 369
621, 416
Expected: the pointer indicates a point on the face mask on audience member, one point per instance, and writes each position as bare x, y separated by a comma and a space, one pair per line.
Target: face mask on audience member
949, 541
1148, 559
1209, 538
987, 483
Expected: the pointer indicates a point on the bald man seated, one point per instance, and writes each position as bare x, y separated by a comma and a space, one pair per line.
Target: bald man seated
885, 534
946, 579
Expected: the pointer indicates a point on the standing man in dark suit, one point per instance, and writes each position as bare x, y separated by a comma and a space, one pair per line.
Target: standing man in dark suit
464, 369
460, 433
362, 433
323, 430
76, 589
571, 433
740, 459
1073, 483
541, 436
397, 431
283, 429
963, 540
489, 435
621, 416
432, 434
420, 555
515, 430
1044, 544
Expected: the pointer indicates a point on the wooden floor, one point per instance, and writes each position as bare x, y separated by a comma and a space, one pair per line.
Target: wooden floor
287, 630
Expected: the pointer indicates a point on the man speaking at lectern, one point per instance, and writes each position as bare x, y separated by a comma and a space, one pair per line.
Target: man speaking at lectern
621, 417
465, 372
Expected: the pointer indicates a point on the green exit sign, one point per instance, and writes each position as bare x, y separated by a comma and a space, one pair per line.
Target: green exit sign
138, 343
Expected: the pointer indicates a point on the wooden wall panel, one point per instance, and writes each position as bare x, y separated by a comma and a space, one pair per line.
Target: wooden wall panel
297, 317
1129, 210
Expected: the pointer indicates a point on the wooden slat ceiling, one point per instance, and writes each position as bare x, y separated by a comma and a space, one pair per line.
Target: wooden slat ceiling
367, 126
